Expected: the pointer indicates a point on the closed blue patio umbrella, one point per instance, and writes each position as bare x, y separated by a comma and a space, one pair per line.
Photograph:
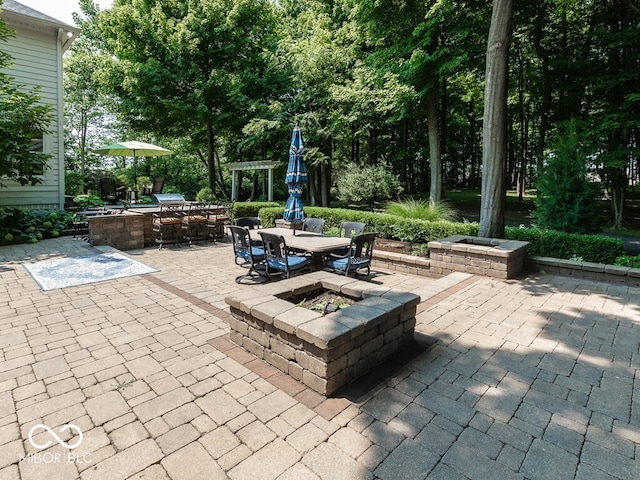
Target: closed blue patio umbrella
296, 178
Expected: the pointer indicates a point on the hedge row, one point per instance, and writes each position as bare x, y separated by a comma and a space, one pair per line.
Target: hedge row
551, 243
251, 209
545, 243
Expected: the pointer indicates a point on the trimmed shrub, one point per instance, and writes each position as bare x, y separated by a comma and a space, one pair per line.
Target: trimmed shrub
367, 183
205, 195
385, 225
252, 209
544, 243
551, 243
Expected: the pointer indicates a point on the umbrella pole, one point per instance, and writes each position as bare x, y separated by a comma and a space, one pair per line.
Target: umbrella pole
135, 173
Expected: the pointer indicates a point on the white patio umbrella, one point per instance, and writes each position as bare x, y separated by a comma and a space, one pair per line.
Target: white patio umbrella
133, 149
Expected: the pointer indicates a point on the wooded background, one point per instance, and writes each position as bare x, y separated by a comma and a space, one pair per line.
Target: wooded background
368, 81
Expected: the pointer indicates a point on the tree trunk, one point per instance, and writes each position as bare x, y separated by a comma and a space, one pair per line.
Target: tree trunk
617, 200
211, 161
220, 177
83, 140
547, 87
404, 143
494, 129
325, 184
435, 161
523, 85
312, 188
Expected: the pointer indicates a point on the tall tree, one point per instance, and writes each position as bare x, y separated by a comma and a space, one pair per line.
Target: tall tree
88, 120
494, 131
190, 68
614, 95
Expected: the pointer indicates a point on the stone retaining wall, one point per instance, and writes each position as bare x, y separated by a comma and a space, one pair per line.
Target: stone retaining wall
323, 352
403, 263
594, 271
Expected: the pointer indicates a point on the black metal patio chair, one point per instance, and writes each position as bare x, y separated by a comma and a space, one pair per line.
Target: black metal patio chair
246, 254
349, 229
358, 256
315, 225
252, 223
279, 260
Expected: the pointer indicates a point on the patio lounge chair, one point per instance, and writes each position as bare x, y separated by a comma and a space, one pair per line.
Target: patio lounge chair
108, 191
315, 225
279, 262
158, 185
358, 256
246, 255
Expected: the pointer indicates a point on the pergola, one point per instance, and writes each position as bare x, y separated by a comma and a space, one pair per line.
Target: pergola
234, 168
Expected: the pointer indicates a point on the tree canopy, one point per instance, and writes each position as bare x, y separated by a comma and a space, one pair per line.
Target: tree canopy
401, 83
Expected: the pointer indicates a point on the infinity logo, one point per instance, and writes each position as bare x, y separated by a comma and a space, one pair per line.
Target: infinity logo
68, 426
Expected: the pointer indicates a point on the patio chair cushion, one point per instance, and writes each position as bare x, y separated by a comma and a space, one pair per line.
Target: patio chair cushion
341, 263
194, 219
219, 218
167, 221
295, 262
256, 253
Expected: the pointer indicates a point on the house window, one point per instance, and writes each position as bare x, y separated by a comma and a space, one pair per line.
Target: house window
37, 146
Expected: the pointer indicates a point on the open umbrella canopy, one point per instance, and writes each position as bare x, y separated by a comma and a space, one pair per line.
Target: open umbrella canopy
296, 178
133, 149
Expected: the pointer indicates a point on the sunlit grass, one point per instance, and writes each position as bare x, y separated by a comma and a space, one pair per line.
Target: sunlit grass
421, 209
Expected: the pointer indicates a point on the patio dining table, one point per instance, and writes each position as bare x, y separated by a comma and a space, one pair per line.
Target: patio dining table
316, 243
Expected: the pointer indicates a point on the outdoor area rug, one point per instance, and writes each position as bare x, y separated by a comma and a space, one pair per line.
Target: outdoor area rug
70, 272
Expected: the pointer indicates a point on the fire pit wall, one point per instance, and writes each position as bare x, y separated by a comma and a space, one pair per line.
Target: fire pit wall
323, 352
491, 257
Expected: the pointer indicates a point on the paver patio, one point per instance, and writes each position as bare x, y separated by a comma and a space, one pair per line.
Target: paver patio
529, 378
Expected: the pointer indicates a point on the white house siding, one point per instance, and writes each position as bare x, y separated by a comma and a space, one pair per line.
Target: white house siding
37, 61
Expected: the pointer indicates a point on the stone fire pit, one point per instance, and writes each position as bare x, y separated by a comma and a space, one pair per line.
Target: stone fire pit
325, 352
491, 257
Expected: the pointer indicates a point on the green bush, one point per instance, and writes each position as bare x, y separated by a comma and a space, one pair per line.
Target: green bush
368, 183
386, 225
417, 233
551, 243
205, 195
22, 225
251, 209
74, 182
421, 210
88, 201
567, 200
628, 261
